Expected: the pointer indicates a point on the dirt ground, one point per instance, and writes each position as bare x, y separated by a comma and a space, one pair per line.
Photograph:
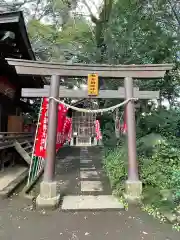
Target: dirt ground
19, 221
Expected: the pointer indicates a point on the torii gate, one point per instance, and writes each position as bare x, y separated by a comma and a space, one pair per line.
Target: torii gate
48, 190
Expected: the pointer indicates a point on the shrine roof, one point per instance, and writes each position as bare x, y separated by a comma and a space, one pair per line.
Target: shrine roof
14, 43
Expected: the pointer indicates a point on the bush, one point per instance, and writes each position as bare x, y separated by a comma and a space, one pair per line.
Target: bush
176, 185
147, 144
115, 163
160, 171
162, 121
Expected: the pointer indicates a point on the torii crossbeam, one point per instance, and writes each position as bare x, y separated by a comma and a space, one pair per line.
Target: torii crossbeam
48, 193
72, 93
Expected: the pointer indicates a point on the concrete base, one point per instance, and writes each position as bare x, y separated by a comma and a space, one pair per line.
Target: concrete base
95, 143
133, 191
72, 142
48, 197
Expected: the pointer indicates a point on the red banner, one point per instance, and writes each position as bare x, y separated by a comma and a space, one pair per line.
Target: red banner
63, 129
124, 129
98, 130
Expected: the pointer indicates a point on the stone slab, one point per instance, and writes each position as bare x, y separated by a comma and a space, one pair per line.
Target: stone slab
85, 161
91, 203
88, 168
10, 175
88, 174
8, 191
91, 186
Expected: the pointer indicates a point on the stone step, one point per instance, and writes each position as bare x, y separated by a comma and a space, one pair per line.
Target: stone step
21, 150
101, 202
10, 175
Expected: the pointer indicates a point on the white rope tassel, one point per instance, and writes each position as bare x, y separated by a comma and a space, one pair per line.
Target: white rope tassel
94, 111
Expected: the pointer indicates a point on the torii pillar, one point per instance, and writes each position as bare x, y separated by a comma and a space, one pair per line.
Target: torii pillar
49, 195
133, 185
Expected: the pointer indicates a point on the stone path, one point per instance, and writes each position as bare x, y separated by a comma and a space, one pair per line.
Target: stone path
79, 172
94, 190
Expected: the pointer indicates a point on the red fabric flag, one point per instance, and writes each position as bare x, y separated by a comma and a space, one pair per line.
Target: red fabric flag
125, 121
63, 128
98, 130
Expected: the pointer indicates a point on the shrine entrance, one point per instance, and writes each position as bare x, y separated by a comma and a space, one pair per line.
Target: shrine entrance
83, 126
49, 195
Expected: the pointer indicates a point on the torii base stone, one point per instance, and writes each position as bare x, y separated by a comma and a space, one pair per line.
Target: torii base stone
49, 196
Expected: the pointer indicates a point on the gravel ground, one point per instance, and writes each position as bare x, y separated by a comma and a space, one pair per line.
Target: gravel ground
18, 221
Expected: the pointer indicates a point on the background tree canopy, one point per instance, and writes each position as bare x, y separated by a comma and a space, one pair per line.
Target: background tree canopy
108, 31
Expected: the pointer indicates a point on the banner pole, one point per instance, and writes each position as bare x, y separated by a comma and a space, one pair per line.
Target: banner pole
37, 127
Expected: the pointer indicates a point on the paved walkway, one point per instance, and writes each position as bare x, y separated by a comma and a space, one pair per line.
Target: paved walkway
92, 190
18, 220
79, 172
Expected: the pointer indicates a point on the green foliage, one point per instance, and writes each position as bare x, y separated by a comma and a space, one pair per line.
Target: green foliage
161, 121
107, 127
176, 184
159, 168
152, 196
146, 145
52, 44
159, 171
116, 166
